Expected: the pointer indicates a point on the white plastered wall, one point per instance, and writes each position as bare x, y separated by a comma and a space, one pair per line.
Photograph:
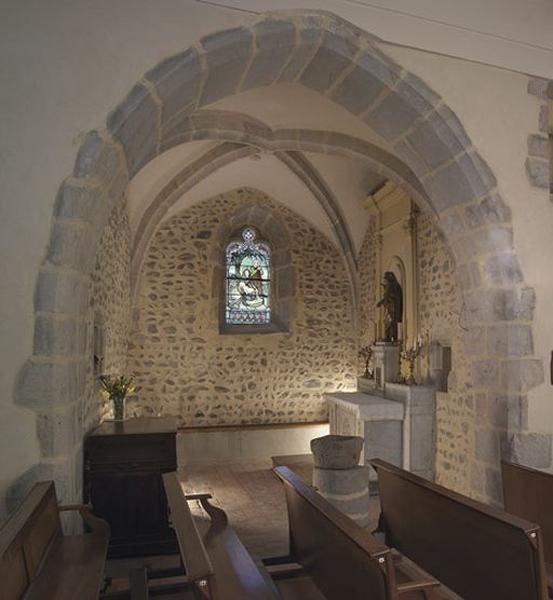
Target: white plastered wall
498, 113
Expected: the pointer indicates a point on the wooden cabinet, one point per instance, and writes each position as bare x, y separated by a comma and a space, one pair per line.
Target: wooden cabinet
123, 464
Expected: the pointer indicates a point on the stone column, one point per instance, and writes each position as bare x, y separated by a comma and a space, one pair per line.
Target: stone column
338, 477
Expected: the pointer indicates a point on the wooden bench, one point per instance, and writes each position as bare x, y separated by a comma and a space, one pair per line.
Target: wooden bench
528, 493
216, 563
479, 552
342, 559
38, 562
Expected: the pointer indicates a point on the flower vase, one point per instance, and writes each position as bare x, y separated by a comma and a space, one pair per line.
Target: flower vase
119, 408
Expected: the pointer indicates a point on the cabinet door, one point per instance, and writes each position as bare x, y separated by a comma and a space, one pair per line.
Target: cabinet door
134, 504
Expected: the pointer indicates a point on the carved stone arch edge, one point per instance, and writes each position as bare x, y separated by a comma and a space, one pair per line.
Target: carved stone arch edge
304, 47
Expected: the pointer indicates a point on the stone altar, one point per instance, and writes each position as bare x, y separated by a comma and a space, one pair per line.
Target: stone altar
397, 425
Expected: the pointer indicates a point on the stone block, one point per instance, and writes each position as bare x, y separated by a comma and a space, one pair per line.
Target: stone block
449, 187
517, 412
494, 488
227, 55
310, 35
452, 224
43, 385
72, 245
498, 409
532, 449
134, 123
439, 138
60, 292
539, 87
501, 304
477, 477
336, 451
331, 59
412, 158
417, 93
487, 446
84, 203
97, 159
539, 146
488, 211
477, 243
521, 375
501, 269
55, 336
59, 430
510, 340
539, 172
341, 482
392, 117
478, 173
177, 80
275, 41
544, 119
422, 442
485, 373
362, 86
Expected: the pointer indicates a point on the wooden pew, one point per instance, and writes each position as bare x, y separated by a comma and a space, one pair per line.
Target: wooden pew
38, 562
341, 558
528, 493
479, 552
215, 560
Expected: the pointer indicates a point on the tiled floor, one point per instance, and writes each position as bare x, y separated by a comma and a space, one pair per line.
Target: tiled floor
253, 499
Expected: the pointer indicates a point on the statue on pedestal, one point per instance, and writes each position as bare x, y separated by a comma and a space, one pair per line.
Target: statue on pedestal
392, 303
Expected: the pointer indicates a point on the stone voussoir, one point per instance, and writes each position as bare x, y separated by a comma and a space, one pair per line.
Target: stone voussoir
177, 82
44, 385
59, 291
227, 55
521, 375
334, 55
55, 336
72, 245
275, 41
135, 125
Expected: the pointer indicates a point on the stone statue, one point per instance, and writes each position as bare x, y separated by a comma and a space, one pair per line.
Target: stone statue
392, 302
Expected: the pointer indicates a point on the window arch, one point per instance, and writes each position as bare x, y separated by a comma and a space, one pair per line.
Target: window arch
248, 298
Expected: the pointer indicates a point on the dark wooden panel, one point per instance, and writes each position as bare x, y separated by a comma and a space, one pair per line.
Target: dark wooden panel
344, 560
123, 467
528, 493
478, 551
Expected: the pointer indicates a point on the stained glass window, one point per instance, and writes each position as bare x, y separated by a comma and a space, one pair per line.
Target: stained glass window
248, 279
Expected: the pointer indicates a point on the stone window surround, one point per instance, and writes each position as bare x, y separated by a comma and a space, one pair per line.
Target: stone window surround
283, 276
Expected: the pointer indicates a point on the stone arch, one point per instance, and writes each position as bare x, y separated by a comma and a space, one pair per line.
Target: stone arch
328, 55
272, 229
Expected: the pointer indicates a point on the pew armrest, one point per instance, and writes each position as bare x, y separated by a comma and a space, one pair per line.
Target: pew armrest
97, 525
413, 586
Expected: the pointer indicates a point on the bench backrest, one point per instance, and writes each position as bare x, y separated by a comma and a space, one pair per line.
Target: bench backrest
528, 493
476, 550
344, 560
217, 556
194, 555
25, 539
